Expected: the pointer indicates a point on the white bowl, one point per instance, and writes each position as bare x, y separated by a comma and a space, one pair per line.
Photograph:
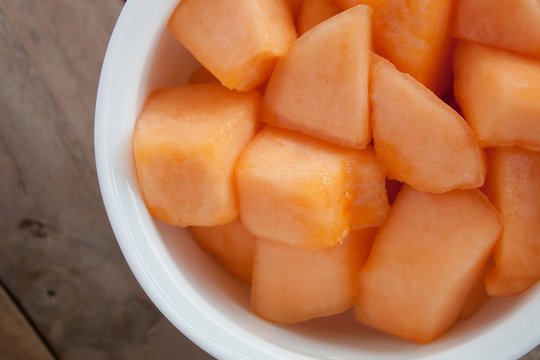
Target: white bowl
200, 299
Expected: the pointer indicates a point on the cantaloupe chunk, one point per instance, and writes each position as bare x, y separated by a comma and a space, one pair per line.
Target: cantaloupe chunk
415, 36
477, 297
292, 284
424, 262
499, 94
512, 25
201, 75
320, 87
513, 185
186, 144
231, 244
238, 41
421, 140
307, 192
314, 12
369, 200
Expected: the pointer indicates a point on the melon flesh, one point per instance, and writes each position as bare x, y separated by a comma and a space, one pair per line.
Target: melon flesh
320, 87
414, 36
424, 262
306, 192
186, 144
231, 244
421, 140
513, 185
512, 25
238, 41
314, 12
292, 284
201, 75
477, 297
368, 198
499, 94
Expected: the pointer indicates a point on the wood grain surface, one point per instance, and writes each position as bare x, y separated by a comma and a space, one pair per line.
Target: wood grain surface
18, 340
58, 256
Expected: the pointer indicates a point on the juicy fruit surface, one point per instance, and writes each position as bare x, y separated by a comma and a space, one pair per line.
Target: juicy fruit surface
414, 36
429, 244
478, 295
512, 25
314, 12
186, 143
499, 94
299, 190
231, 244
238, 41
513, 185
368, 197
420, 140
292, 284
320, 87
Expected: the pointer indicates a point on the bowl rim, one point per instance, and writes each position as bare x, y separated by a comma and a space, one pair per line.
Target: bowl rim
120, 59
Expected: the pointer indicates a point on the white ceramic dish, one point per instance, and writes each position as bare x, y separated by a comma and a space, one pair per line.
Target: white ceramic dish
201, 300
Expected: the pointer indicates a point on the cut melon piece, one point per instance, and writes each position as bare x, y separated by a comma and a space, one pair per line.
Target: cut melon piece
186, 144
512, 25
238, 41
415, 36
292, 284
499, 94
307, 192
477, 297
421, 140
231, 244
369, 200
321, 86
424, 262
315, 12
513, 185
201, 75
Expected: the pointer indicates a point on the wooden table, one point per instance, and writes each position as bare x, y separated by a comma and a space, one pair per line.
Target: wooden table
65, 289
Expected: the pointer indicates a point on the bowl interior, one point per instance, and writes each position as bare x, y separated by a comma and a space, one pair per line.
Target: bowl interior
190, 288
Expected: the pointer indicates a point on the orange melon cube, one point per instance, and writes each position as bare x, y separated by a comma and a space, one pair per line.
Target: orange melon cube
292, 284
415, 36
477, 297
231, 244
320, 87
314, 12
424, 262
499, 94
368, 197
513, 185
421, 140
186, 144
307, 192
201, 75
238, 41
512, 25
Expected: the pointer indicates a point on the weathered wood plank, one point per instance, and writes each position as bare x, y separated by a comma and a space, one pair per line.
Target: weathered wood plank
58, 255
18, 340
